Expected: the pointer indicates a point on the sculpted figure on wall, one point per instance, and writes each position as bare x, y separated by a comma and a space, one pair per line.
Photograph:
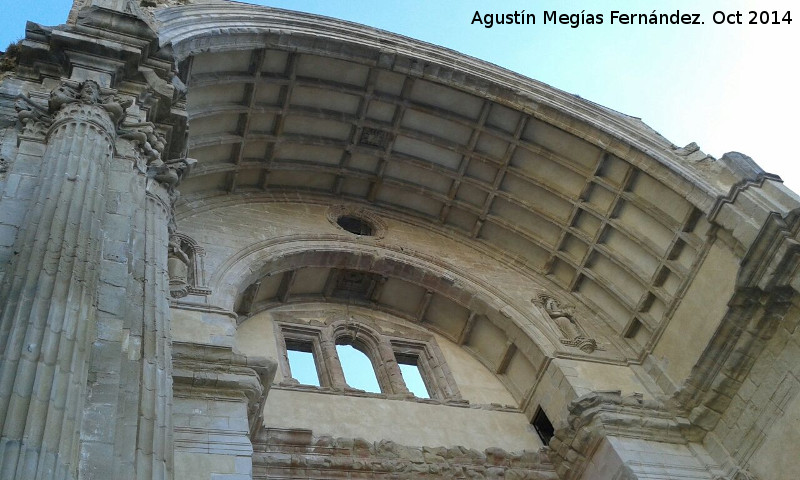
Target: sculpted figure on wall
185, 266
563, 316
178, 268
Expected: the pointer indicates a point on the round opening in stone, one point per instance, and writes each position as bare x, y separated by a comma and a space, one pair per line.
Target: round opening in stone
355, 225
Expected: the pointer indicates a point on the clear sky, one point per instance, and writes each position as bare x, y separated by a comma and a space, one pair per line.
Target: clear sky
726, 87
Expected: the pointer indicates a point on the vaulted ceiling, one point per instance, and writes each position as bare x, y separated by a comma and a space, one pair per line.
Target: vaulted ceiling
554, 185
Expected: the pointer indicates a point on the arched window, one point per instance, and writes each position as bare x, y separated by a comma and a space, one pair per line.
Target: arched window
357, 367
351, 355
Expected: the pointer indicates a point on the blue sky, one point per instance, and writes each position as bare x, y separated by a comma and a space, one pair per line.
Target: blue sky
726, 87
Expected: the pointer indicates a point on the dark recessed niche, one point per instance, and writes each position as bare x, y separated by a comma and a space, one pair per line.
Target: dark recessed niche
355, 225
542, 426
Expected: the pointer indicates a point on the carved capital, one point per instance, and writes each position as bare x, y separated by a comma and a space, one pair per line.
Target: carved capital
91, 114
70, 102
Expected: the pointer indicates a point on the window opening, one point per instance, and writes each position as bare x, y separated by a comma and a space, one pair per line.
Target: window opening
412, 375
358, 370
354, 225
302, 364
542, 425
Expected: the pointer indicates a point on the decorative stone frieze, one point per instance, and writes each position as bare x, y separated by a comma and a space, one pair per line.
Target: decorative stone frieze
298, 453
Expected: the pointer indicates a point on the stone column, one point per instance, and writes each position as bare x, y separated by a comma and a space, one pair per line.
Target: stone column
154, 440
49, 294
131, 373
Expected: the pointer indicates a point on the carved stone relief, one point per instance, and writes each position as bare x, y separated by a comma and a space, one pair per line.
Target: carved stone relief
297, 453
185, 267
36, 119
563, 317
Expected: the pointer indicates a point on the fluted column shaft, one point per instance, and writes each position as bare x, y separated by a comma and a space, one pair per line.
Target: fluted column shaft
127, 432
49, 297
154, 440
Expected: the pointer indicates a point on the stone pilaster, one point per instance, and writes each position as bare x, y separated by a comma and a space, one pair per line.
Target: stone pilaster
154, 440
219, 399
628, 438
131, 373
50, 293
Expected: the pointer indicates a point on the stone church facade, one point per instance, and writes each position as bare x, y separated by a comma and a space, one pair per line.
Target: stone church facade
191, 192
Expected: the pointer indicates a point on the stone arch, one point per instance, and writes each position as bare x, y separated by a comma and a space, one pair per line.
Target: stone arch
513, 331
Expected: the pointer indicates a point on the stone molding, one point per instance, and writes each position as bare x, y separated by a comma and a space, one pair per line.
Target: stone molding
297, 453
200, 370
599, 415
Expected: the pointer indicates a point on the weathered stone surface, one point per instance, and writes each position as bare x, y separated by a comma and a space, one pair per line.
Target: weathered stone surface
276, 456
344, 185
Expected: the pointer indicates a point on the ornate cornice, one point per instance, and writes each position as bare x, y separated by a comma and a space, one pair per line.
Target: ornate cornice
125, 57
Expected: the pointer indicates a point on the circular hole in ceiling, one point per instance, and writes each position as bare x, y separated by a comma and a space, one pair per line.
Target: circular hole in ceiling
355, 225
